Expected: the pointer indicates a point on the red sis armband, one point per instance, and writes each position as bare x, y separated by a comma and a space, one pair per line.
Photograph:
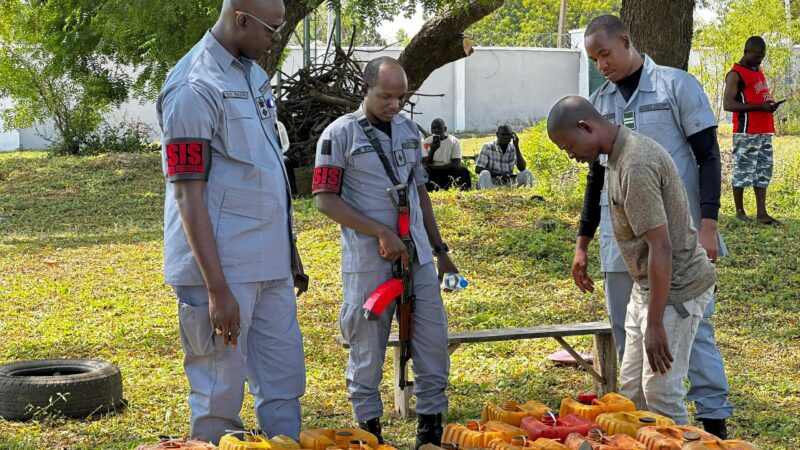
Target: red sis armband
188, 159
327, 179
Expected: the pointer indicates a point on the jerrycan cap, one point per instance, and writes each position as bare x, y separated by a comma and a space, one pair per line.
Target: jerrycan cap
549, 418
691, 436
649, 420
586, 398
344, 433
585, 445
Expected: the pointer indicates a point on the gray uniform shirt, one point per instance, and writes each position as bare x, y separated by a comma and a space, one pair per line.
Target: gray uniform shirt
347, 164
224, 106
668, 106
645, 193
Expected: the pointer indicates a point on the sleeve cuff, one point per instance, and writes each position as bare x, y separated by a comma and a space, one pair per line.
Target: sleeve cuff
587, 230
709, 211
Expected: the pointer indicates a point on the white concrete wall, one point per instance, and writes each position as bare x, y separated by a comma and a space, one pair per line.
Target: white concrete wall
517, 86
493, 86
9, 140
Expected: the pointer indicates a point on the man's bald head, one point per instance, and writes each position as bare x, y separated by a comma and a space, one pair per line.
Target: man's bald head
577, 128
567, 112
248, 27
373, 69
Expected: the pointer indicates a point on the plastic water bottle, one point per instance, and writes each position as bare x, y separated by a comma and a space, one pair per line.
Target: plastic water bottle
454, 282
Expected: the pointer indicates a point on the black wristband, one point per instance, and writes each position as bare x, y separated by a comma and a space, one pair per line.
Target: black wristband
440, 248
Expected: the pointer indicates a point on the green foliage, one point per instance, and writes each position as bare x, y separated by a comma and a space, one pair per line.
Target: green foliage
555, 172
129, 136
402, 37
365, 33
720, 44
148, 36
534, 23
43, 89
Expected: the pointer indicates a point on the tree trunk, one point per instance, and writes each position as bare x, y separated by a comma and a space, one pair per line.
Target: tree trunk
662, 29
296, 10
441, 40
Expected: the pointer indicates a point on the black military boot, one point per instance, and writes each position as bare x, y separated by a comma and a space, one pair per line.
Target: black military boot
429, 430
373, 426
716, 427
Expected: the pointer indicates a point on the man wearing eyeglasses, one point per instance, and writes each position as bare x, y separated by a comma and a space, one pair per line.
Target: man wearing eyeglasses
229, 252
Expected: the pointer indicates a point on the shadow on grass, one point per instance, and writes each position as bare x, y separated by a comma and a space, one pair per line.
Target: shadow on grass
27, 244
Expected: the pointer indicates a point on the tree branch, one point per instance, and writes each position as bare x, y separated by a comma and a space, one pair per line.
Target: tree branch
441, 40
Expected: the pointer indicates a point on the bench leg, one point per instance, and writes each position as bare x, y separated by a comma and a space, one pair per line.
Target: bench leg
402, 397
452, 348
605, 363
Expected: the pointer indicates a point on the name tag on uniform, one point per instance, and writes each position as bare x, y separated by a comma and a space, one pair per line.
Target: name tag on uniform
400, 157
410, 144
263, 110
365, 149
235, 94
629, 119
264, 88
610, 117
663, 106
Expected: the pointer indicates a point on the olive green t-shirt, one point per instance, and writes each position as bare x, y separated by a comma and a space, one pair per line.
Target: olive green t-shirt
646, 192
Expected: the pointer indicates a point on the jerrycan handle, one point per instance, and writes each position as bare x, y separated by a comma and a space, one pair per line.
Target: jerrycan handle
549, 418
673, 433
473, 425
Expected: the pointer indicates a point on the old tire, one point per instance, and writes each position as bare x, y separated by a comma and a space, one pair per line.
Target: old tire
72, 387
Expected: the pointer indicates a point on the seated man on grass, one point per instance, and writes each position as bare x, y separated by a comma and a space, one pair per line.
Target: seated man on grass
495, 164
441, 157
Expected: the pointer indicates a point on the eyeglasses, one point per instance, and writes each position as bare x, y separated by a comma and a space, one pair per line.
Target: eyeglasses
276, 32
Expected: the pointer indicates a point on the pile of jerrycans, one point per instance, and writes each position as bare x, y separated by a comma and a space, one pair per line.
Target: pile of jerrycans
583, 423
315, 439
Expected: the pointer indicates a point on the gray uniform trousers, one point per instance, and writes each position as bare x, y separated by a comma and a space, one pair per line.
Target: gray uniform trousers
269, 356
431, 362
708, 384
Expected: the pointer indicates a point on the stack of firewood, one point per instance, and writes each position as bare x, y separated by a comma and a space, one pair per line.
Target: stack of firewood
315, 96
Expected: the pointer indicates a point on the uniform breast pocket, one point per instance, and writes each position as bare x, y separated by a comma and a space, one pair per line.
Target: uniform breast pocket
411, 157
242, 226
619, 221
241, 125
366, 158
653, 118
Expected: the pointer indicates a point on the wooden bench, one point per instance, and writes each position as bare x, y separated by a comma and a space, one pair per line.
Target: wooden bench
604, 370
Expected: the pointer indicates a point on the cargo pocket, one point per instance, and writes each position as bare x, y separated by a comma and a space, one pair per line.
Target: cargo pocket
196, 331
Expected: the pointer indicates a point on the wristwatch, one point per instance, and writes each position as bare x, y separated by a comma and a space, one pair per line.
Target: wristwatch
440, 248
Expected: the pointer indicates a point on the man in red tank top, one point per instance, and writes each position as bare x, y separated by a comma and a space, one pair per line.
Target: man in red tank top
748, 98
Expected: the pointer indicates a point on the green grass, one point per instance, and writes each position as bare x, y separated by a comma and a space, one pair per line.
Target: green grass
99, 219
